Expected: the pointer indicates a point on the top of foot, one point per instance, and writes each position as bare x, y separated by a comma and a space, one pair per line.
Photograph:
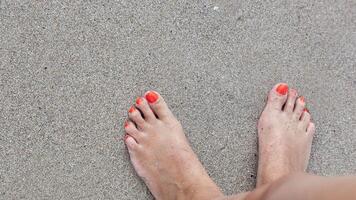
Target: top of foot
285, 134
161, 155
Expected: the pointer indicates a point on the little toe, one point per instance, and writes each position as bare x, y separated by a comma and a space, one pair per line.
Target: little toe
292, 96
142, 104
131, 130
277, 96
311, 128
158, 105
136, 117
299, 107
305, 120
130, 143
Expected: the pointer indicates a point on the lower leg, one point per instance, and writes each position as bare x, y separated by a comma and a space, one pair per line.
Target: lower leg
306, 187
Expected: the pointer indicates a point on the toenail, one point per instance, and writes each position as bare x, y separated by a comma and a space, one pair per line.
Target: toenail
126, 124
306, 110
151, 97
132, 109
282, 89
138, 100
302, 99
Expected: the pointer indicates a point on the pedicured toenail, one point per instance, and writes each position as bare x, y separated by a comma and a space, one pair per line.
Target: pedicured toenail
138, 100
132, 109
151, 97
282, 89
126, 124
302, 99
306, 110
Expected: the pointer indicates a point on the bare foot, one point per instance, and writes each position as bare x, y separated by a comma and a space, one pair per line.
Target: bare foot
285, 135
161, 155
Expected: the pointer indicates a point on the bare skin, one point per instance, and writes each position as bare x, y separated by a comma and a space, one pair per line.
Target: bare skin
285, 135
161, 154
162, 157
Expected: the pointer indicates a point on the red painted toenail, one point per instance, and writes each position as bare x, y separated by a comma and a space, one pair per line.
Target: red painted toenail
132, 109
151, 97
282, 89
306, 110
302, 99
126, 124
138, 100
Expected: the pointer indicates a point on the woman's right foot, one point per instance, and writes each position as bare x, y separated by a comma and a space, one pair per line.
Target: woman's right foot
285, 133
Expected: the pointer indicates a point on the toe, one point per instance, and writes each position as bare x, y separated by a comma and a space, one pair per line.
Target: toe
130, 143
142, 105
136, 117
292, 96
278, 96
305, 120
311, 129
132, 131
158, 105
299, 107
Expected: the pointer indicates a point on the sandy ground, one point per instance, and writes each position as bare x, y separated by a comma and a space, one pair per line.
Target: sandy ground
70, 70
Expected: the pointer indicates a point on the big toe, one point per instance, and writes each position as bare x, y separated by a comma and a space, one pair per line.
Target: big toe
277, 97
158, 105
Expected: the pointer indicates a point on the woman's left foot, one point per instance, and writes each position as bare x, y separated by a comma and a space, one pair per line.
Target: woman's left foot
161, 155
